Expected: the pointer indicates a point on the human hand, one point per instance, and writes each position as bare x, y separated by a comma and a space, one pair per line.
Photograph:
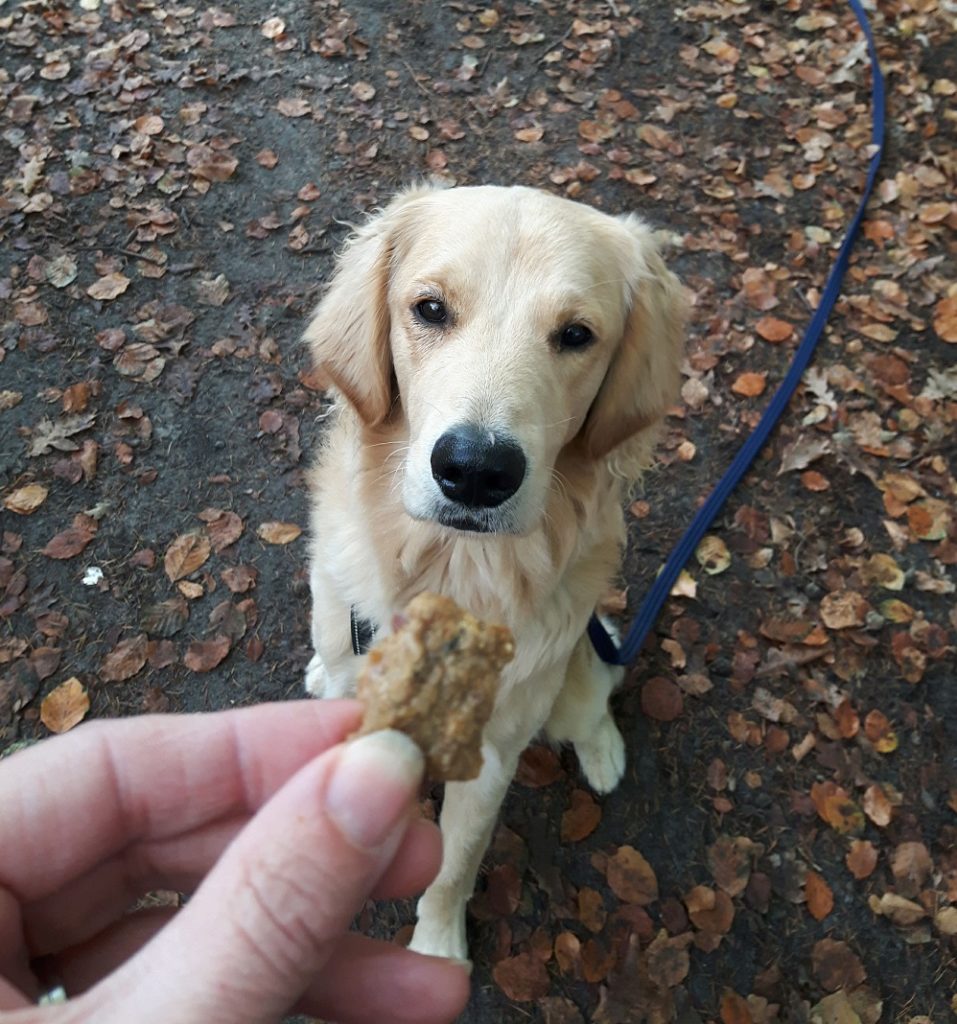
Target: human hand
281, 834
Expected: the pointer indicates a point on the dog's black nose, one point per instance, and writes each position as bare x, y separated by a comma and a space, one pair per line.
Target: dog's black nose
476, 469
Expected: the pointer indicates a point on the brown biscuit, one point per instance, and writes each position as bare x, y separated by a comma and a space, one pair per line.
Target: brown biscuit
435, 679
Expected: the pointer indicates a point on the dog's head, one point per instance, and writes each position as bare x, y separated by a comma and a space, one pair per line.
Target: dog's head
505, 325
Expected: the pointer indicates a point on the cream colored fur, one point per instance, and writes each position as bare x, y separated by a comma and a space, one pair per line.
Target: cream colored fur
514, 265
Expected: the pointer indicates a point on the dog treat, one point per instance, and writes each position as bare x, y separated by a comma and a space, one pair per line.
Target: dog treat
435, 679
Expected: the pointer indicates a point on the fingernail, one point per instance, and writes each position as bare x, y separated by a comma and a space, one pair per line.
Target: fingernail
373, 786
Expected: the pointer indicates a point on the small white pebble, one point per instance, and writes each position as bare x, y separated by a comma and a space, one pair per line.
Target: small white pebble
92, 576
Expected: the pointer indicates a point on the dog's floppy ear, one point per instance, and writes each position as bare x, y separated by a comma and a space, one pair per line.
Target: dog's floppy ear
643, 377
349, 332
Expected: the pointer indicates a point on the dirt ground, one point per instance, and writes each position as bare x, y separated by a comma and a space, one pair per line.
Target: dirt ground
176, 179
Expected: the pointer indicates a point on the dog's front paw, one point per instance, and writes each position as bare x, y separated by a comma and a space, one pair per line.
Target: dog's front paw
602, 756
317, 678
440, 932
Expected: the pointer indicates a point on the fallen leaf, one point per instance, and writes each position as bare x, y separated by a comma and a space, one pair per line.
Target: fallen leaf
897, 909
71, 541
876, 805
240, 578
631, 877
774, 330
26, 500
945, 319
734, 1008
713, 555
668, 960
836, 1008
581, 818
49, 435
836, 808
165, 618
802, 452
882, 571
878, 730
186, 554
210, 164
844, 609
205, 655
710, 910
65, 706
729, 859
108, 287
591, 909
125, 660
222, 527
836, 966
820, 899
750, 385
911, 866
522, 978
861, 859
278, 533
661, 699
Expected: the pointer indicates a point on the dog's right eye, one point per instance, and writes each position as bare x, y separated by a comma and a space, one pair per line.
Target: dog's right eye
432, 311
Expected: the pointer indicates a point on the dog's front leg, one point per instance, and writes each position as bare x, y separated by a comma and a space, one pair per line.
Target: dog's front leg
469, 813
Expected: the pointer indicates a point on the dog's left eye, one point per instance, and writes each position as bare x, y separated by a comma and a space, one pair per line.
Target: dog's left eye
432, 311
575, 336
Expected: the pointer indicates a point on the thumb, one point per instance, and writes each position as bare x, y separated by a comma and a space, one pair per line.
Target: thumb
266, 918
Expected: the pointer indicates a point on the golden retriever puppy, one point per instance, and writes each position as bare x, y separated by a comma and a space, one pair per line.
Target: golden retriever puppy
502, 357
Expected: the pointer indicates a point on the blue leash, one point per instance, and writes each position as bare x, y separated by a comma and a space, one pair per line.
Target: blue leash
661, 588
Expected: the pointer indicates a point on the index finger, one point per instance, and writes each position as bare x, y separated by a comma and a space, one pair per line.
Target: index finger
71, 801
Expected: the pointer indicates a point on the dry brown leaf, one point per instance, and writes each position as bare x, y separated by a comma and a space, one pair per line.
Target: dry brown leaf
205, 655
945, 318
581, 818
897, 909
820, 899
186, 554
710, 910
522, 978
240, 578
278, 533
861, 859
72, 541
591, 909
774, 330
734, 1008
729, 859
108, 287
911, 866
27, 499
65, 706
668, 960
631, 877
844, 609
876, 805
836, 966
750, 385
125, 660
879, 731
661, 699
836, 807
210, 164
223, 527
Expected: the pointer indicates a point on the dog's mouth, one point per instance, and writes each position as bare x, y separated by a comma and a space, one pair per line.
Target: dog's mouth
468, 520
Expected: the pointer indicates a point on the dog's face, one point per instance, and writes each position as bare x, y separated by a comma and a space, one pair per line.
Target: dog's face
505, 325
